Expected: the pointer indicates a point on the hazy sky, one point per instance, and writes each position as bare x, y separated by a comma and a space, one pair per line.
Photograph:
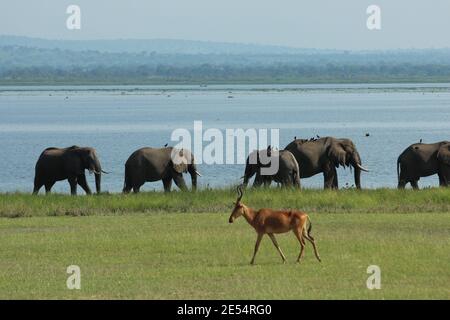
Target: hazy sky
310, 24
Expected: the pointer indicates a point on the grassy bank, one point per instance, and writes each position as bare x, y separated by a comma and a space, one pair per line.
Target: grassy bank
202, 256
213, 201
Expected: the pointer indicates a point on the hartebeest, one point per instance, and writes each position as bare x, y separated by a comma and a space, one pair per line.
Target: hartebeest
268, 221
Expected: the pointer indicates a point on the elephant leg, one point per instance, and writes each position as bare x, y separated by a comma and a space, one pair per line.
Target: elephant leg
37, 186
328, 179
126, 189
83, 183
335, 180
73, 185
167, 182
267, 183
286, 181
258, 181
126, 186
401, 184
285, 184
48, 186
137, 188
179, 181
414, 184
442, 180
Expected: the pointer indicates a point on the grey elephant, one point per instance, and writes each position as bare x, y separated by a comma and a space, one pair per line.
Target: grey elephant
422, 160
324, 155
154, 164
288, 173
56, 164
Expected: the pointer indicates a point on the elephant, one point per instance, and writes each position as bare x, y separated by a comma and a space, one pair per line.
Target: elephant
153, 164
423, 160
56, 164
325, 155
287, 175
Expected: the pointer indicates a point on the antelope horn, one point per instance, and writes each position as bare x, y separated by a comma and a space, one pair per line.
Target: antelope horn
362, 168
198, 173
240, 193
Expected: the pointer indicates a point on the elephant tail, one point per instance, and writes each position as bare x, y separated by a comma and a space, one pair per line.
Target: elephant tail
398, 169
127, 181
297, 178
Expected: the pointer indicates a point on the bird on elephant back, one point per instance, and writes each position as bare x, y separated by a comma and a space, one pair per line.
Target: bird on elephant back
272, 165
423, 160
324, 155
56, 164
153, 164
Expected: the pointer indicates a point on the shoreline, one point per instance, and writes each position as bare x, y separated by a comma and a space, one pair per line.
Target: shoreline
14, 205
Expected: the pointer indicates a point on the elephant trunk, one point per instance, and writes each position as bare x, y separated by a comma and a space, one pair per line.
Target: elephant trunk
245, 182
356, 163
194, 173
358, 177
250, 170
98, 179
97, 169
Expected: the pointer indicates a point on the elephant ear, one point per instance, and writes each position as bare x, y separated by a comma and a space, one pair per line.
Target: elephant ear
337, 154
444, 154
75, 161
180, 161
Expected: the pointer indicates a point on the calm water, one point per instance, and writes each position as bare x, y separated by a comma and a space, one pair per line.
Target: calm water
118, 120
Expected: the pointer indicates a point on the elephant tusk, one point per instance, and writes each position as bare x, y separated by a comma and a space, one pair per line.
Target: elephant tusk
105, 172
198, 173
362, 168
243, 177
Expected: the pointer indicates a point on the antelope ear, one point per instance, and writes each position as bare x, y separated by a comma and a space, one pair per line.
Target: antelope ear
337, 154
444, 154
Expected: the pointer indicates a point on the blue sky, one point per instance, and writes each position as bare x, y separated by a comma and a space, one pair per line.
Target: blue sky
337, 24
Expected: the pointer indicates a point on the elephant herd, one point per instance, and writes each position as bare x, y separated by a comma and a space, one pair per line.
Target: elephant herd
302, 158
146, 164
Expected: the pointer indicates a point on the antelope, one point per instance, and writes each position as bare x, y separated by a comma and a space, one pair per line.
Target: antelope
268, 221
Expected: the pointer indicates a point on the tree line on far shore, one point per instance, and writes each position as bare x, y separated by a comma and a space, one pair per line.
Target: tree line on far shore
21, 65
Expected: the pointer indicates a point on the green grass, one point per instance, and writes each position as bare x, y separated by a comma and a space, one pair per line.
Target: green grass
202, 256
180, 245
213, 201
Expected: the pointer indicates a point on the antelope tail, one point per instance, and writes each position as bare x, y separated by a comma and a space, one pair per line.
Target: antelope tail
309, 226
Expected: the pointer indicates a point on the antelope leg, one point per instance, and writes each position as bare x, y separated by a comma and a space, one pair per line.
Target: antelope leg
258, 241
275, 243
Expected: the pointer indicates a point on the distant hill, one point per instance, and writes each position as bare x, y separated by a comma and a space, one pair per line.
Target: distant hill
40, 61
161, 46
